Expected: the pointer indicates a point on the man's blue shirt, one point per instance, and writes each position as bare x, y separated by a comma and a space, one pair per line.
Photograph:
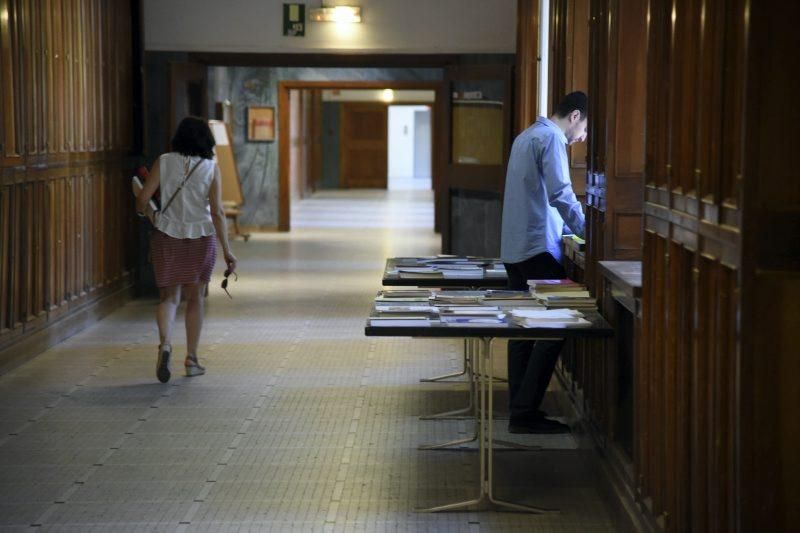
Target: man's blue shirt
538, 197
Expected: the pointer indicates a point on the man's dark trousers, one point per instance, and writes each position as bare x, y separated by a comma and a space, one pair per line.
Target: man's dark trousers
531, 363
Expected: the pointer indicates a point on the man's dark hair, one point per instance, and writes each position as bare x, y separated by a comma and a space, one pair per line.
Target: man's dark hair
194, 137
577, 100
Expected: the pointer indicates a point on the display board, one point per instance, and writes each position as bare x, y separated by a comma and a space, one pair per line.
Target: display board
231, 184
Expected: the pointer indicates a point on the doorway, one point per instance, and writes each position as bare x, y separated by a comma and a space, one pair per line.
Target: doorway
355, 135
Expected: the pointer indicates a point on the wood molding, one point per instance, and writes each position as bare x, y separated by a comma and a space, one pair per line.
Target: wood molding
52, 333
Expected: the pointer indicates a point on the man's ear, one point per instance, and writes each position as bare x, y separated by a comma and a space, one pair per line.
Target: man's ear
575, 116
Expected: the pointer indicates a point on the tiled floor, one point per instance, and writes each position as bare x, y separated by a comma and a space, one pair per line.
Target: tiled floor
301, 424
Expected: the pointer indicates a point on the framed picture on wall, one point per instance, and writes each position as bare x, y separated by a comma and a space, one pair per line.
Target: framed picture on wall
260, 123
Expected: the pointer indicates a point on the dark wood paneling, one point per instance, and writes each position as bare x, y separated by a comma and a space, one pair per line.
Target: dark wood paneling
768, 433
65, 134
527, 73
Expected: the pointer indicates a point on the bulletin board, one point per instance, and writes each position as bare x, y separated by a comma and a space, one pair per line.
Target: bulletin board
231, 184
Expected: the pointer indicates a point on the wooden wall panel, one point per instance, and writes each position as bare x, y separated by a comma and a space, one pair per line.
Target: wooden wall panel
768, 431
698, 63
715, 408
569, 70
616, 136
65, 141
527, 74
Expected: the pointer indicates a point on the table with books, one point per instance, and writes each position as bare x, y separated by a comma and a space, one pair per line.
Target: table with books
447, 272
552, 309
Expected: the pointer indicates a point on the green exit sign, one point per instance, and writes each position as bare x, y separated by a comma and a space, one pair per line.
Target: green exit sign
294, 20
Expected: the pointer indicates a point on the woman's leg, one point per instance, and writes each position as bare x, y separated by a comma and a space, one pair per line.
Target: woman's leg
194, 316
165, 316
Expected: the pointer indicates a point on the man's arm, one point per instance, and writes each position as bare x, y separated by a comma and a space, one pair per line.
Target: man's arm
559, 187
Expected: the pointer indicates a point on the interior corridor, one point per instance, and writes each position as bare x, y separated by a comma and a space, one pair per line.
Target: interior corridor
302, 423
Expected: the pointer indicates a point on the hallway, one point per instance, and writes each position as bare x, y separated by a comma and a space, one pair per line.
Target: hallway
301, 424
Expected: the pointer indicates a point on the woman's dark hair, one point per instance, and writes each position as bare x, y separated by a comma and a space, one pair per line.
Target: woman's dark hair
577, 100
194, 137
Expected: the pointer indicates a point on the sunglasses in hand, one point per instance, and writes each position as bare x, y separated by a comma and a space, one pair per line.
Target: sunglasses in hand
227, 274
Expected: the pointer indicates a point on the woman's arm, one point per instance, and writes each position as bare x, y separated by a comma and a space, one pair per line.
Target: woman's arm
151, 185
218, 217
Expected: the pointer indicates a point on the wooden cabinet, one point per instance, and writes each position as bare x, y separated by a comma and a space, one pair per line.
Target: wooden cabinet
66, 75
686, 169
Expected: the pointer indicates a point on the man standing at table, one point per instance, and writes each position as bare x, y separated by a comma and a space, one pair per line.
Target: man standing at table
538, 203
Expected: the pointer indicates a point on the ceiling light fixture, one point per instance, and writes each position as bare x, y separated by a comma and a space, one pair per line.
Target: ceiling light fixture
346, 14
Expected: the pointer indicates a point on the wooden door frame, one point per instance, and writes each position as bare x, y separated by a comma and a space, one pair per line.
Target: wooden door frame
475, 175
284, 193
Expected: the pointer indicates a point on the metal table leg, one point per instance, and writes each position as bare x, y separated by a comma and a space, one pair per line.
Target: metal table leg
444, 377
487, 355
481, 415
483, 364
464, 412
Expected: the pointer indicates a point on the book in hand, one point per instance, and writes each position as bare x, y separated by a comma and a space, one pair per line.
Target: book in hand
151, 211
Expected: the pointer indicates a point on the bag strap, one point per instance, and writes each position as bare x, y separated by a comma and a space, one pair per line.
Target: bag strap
189, 175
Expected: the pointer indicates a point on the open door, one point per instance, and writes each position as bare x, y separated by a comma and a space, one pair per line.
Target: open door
188, 92
478, 120
364, 145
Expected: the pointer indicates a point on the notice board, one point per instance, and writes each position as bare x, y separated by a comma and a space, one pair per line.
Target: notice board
223, 151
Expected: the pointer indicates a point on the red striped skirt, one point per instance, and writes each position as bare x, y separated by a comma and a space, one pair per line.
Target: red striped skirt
182, 261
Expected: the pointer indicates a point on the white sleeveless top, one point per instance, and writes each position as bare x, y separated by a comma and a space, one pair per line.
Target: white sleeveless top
189, 214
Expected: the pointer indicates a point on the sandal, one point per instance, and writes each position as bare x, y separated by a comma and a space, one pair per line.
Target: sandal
193, 367
162, 366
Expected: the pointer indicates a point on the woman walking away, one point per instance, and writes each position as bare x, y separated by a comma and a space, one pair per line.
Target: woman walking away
183, 246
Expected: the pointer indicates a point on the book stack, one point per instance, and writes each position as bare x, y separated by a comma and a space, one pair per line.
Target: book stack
457, 267
457, 297
548, 318
573, 248
446, 267
496, 270
404, 297
511, 299
404, 308
470, 315
402, 321
562, 294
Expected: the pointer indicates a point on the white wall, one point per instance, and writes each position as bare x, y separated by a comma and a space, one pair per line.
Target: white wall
401, 146
423, 144
376, 95
389, 26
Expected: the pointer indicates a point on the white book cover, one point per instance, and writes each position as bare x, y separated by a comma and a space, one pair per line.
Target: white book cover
151, 208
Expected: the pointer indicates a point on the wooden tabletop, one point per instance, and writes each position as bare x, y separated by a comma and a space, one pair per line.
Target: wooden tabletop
624, 275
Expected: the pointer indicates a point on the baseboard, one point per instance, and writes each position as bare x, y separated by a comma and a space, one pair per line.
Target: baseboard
51, 334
